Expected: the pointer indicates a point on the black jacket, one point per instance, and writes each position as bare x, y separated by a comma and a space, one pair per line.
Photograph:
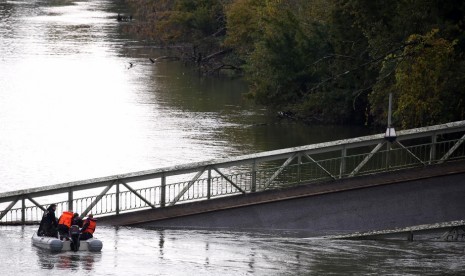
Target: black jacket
77, 221
48, 223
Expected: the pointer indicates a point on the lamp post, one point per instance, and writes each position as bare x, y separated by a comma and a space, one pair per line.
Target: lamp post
390, 134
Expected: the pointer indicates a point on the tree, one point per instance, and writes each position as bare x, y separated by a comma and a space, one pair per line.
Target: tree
329, 61
422, 65
279, 45
423, 74
197, 28
244, 25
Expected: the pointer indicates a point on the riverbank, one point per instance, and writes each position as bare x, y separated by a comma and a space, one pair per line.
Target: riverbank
321, 61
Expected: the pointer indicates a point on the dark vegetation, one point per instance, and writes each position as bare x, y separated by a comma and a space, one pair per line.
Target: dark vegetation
325, 60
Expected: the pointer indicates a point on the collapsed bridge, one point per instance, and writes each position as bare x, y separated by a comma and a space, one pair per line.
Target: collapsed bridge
358, 184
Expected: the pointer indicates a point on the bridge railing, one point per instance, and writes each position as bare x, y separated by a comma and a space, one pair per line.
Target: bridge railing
240, 175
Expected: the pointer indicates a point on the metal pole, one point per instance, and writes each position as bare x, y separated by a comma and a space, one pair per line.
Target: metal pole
23, 210
432, 153
342, 169
163, 191
388, 145
70, 199
388, 153
254, 177
209, 184
117, 199
390, 110
299, 162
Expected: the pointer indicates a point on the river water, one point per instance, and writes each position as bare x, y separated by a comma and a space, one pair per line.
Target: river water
72, 107
132, 251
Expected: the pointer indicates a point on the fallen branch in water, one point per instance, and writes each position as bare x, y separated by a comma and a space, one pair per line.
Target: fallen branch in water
166, 58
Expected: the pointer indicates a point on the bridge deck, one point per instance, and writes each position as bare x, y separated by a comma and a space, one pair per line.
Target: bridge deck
311, 175
443, 231
151, 217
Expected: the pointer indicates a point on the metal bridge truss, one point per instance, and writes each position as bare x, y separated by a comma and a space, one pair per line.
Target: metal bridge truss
240, 175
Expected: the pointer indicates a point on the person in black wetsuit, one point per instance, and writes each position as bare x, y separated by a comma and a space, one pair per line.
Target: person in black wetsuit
48, 224
74, 231
77, 220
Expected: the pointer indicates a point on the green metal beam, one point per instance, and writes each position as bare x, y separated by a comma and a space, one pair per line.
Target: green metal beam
187, 187
319, 165
283, 166
229, 180
96, 200
455, 147
138, 195
367, 158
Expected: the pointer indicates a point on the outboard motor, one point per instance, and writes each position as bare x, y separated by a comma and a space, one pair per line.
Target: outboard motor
74, 234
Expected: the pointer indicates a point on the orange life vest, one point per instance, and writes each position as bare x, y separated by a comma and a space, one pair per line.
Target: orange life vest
91, 227
66, 218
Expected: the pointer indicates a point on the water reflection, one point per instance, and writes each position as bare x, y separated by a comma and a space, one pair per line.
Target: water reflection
72, 261
133, 251
44, 261
251, 262
161, 242
70, 109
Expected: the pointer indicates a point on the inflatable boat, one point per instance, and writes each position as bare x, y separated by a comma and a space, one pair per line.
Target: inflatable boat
57, 245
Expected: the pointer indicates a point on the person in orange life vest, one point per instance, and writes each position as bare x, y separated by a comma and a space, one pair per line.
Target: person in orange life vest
88, 229
64, 223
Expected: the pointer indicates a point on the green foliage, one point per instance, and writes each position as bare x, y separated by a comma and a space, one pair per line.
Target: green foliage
243, 25
421, 77
179, 21
351, 66
198, 18
421, 65
330, 60
282, 48
280, 68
